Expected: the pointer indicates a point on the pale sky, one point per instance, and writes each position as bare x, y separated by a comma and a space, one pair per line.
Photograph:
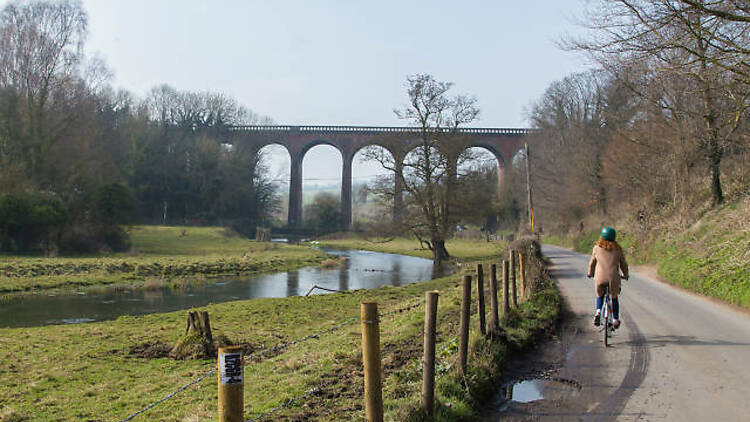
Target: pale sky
337, 62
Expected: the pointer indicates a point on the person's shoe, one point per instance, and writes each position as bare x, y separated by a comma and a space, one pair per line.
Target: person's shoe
616, 324
597, 319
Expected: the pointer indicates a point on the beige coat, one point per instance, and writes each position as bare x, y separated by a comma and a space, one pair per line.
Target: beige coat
605, 267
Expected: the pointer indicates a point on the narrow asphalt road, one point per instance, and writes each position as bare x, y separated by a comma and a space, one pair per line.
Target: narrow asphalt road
677, 357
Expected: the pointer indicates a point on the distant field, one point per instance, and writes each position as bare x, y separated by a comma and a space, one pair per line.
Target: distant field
168, 241
161, 253
464, 249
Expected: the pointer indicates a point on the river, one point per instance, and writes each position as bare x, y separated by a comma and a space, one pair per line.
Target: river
361, 270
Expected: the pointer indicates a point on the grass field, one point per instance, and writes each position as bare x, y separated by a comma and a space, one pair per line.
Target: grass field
159, 253
106, 370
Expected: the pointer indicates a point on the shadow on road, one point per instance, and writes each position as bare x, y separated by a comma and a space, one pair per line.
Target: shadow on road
661, 341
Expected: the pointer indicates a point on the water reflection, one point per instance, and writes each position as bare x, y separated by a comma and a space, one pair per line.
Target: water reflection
527, 391
292, 283
397, 268
344, 276
361, 270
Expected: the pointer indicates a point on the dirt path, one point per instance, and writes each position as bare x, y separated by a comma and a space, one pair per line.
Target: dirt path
677, 357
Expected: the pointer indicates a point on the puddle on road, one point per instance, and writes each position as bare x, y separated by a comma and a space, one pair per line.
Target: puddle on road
527, 391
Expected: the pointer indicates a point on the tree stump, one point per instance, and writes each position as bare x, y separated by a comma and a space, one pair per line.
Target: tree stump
197, 342
262, 234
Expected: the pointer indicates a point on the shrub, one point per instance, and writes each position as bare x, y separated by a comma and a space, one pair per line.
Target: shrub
31, 223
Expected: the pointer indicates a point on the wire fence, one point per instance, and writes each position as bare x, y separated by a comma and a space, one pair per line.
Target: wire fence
286, 403
169, 396
444, 359
270, 351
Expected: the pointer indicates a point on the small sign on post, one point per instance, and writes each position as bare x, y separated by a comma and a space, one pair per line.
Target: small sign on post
231, 384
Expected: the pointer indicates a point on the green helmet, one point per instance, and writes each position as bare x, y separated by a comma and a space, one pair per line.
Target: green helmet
608, 233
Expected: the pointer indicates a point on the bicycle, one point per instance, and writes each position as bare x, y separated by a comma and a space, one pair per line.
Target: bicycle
607, 316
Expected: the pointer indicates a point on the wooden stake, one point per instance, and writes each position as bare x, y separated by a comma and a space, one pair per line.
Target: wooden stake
480, 297
494, 322
463, 345
371, 360
506, 293
428, 368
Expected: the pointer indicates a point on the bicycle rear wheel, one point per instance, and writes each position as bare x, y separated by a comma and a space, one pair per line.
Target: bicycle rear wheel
605, 321
606, 334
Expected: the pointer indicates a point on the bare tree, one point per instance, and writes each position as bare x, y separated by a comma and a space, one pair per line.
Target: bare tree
41, 48
575, 120
427, 174
683, 40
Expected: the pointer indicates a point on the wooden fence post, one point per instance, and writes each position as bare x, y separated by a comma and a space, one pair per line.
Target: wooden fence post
428, 367
231, 384
513, 277
480, 297
494, 322
463, 345
506, 293
371, 361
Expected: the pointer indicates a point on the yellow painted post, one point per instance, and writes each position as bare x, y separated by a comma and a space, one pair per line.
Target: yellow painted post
512, 259
231, 384
522, 273
371, 361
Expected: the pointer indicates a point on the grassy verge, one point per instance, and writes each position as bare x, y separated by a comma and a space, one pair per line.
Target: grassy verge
463, 249
106, 370
159, 254
710, 257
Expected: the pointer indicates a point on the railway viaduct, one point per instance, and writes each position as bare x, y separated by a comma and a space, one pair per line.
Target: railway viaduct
503, 143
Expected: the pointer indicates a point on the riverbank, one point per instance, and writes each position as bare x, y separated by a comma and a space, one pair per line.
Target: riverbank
107, 370
160, 256
709, 257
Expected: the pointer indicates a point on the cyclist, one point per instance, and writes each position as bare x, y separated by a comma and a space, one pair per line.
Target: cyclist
607, 260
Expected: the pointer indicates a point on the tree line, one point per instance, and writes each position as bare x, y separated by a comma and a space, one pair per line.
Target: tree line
79, 158
659, 130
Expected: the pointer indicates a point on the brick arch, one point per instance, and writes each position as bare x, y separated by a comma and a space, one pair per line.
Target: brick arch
318, 142
345, 194
498, 157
